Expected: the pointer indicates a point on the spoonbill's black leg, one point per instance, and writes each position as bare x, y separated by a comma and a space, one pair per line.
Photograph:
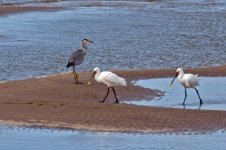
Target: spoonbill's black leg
116, 100
105, 96
199, 96
185, 95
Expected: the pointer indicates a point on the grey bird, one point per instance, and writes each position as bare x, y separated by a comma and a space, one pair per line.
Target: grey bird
77, 57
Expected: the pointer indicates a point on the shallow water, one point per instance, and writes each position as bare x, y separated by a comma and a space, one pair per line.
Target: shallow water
36, 139
211, 89
127, 35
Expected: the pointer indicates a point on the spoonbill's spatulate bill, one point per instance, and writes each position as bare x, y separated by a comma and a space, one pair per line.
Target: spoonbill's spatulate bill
77, 57
187, 81
110, 79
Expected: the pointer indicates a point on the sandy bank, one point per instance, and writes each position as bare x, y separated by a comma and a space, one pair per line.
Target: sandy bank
5, 10
56, 102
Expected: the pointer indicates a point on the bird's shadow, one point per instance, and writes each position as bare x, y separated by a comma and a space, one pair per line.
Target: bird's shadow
78, 83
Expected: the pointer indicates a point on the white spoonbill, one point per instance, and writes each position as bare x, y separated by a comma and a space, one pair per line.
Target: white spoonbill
188, 81
108, 78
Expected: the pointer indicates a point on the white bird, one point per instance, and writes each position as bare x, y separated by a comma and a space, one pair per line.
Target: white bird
77, 57
187, 81
108, 78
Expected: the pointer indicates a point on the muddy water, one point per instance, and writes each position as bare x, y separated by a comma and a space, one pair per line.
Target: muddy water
212, 91
36, 139
127, 35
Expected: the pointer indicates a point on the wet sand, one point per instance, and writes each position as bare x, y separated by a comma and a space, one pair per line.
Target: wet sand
55, 101
5, 10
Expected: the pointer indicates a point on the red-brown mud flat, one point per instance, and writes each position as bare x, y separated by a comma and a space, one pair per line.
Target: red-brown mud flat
55, 101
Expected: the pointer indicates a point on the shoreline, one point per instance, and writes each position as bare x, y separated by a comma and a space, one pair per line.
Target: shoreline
54, 101
7, 10
73, 127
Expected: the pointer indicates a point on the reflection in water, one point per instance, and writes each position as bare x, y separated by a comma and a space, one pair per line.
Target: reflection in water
36, 139
199, 107
211, 89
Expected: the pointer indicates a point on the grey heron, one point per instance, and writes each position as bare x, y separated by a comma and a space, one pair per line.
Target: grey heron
187, 81
108, 78
77, 57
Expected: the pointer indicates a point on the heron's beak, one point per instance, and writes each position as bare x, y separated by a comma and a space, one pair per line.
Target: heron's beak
92, 77
91, 41
171, 83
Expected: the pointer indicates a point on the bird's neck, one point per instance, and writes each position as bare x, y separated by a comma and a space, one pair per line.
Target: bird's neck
83, 46
97, 77
180, 76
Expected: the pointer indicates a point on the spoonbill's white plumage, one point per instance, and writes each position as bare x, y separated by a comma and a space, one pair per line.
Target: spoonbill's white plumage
108, 78
187, 81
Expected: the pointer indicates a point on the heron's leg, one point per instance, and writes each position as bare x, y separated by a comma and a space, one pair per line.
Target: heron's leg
115, 95
105, 96
75, 76
198, 95
185, 90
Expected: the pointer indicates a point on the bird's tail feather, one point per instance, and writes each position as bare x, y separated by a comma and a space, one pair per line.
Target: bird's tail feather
69, 64
197, 77
123, 82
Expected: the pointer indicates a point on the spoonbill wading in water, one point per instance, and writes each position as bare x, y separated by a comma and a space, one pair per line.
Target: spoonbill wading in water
188, 81
108, 78
77, 57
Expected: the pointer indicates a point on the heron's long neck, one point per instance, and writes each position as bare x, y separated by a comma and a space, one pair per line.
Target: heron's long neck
83, 45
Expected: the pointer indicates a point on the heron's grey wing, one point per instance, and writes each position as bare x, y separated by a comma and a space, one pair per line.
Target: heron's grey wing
77, 57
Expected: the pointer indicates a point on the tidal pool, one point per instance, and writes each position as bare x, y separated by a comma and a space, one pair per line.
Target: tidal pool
211, 89
17, 138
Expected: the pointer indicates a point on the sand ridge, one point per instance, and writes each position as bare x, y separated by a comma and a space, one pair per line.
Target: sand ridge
62, 104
